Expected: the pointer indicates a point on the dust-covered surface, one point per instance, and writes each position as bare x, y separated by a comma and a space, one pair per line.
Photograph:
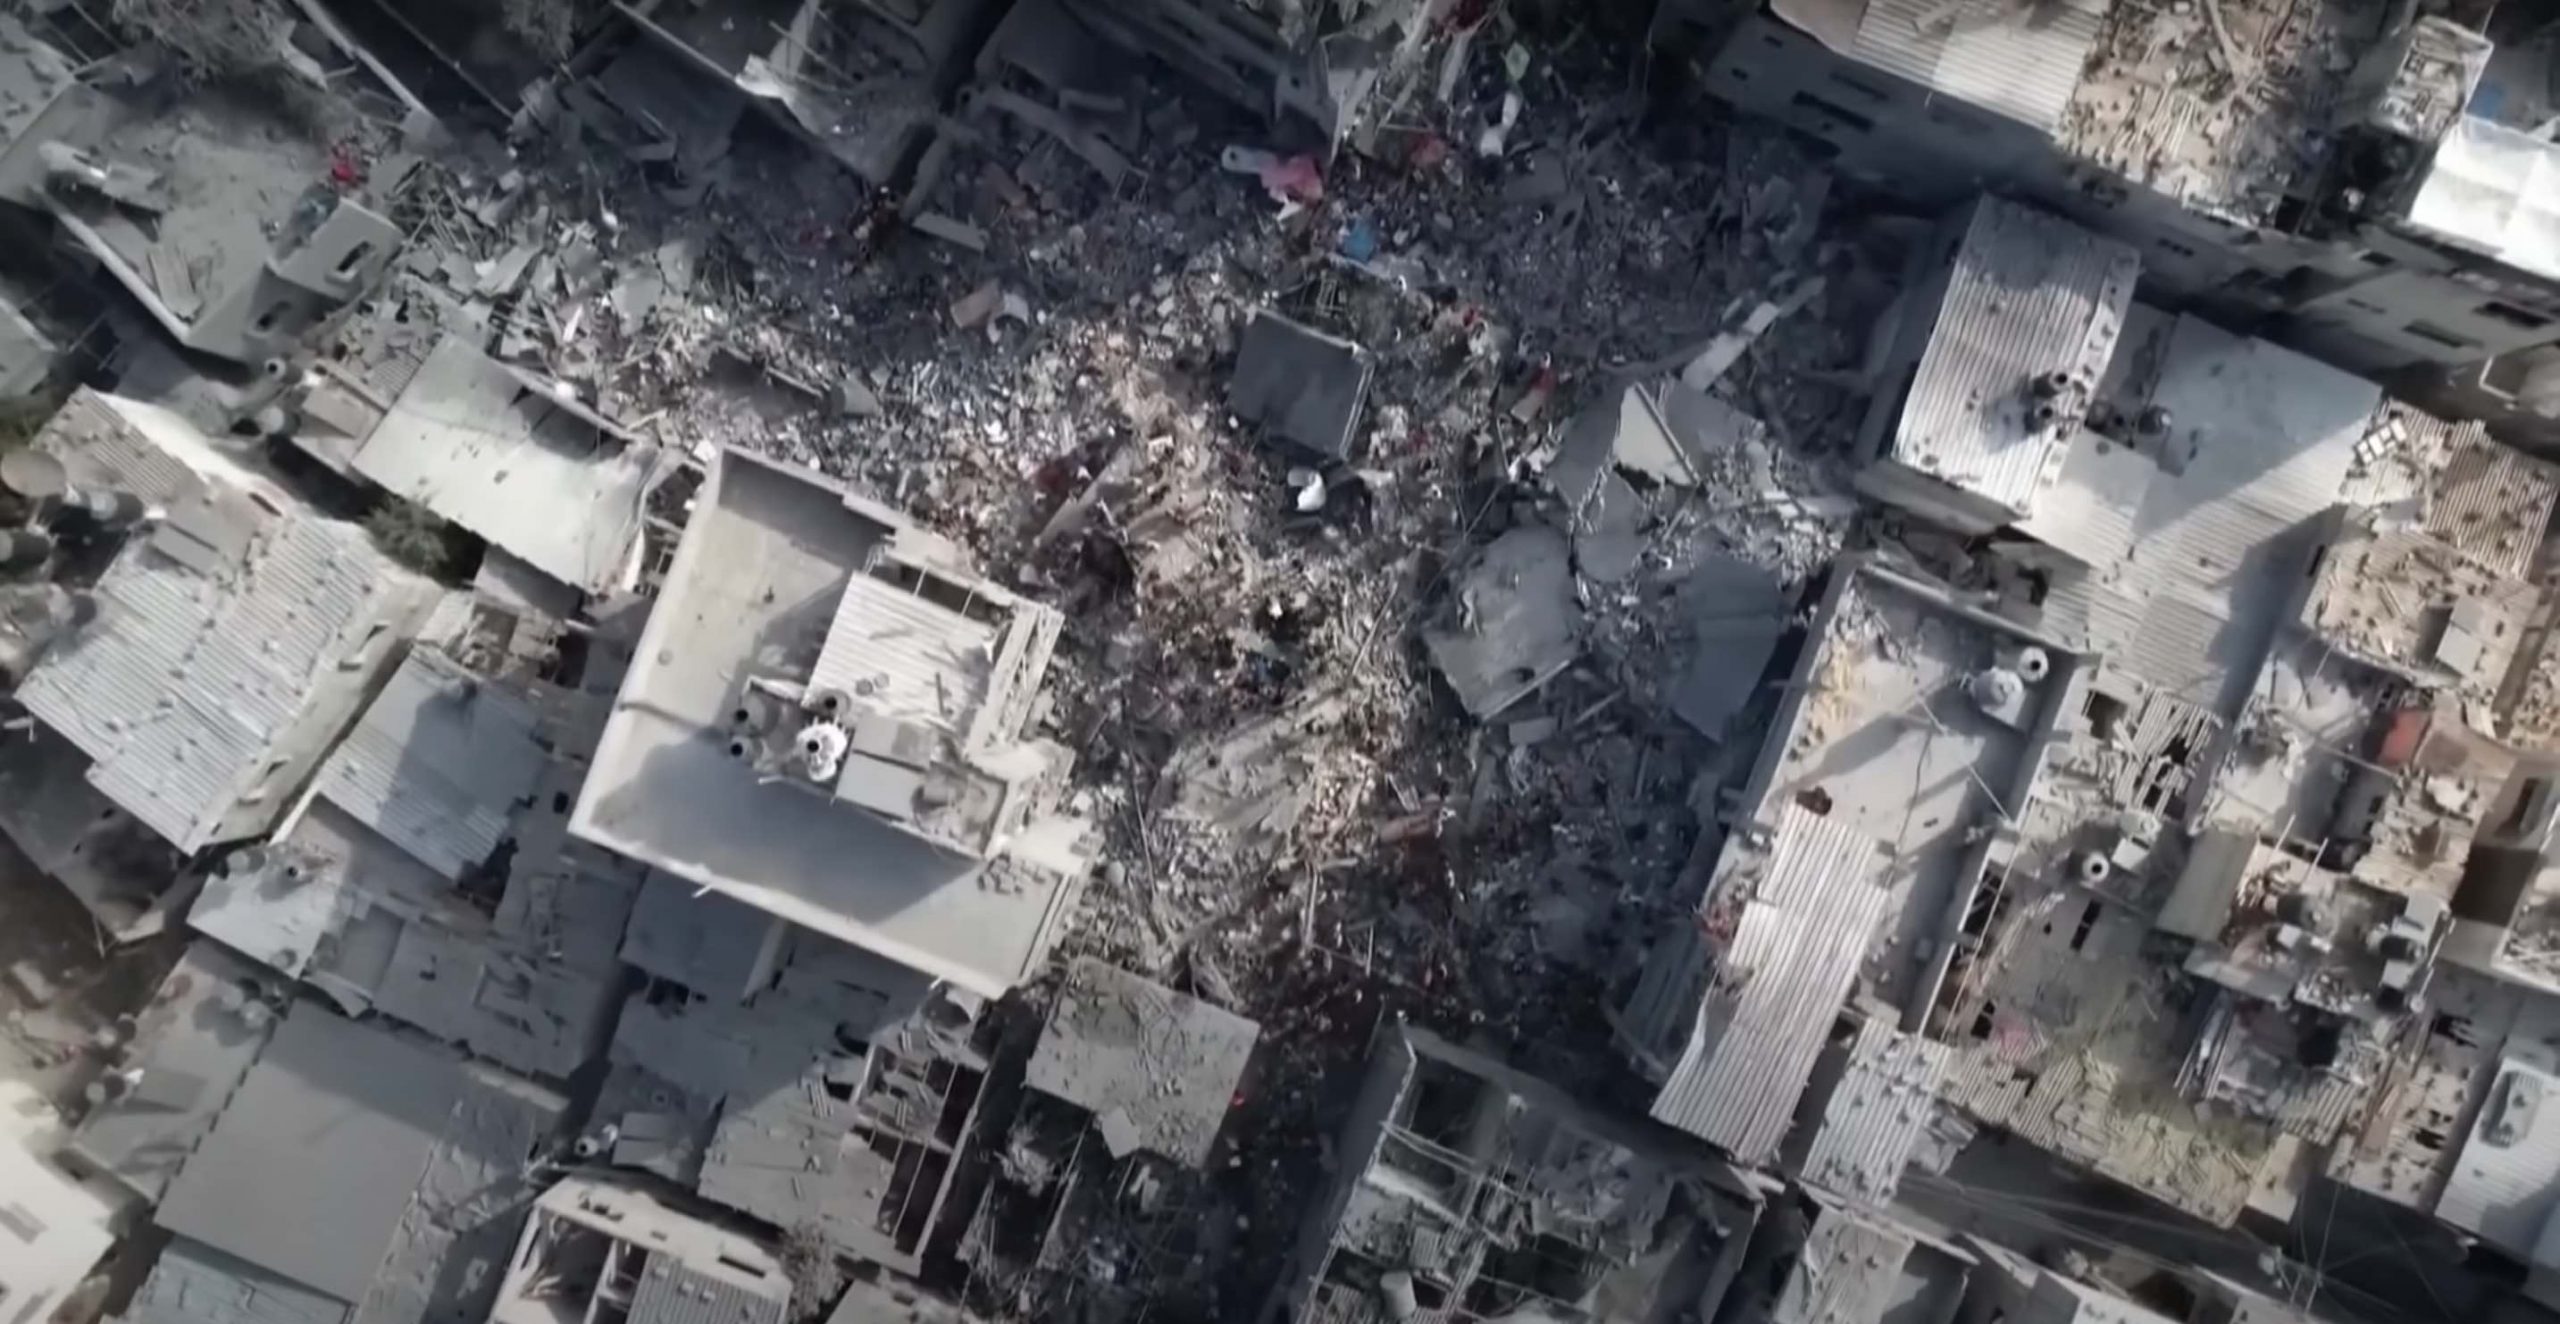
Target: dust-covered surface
1300, 824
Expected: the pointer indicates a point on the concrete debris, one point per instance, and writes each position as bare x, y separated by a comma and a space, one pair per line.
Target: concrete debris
1516, 624
1721, 353
1301, 386
1109, 614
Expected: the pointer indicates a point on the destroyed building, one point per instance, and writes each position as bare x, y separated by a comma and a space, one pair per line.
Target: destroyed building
518, 460
232, 228
863, 82
2367, 203
811, 1086
1466, 1189
427, 877
596, 1246
1813, 1257
1832, 874
2228, 678
668, 913
1095, 1208
1346, 69
831, 719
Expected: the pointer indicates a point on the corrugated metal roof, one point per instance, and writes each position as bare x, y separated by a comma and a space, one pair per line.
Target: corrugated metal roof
1849, 1272
187, 683
439, 764
531, 473
1801, 917
672, 1293
2492, 502
2028, 294
903, 654
1877, 1114
2507, 1179
2021, 63
99, 447
2261, 440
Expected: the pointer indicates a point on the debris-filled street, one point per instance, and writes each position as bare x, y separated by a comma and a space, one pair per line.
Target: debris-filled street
1311, 661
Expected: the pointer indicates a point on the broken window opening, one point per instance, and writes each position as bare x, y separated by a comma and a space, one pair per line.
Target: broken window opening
355, 257
2105, 713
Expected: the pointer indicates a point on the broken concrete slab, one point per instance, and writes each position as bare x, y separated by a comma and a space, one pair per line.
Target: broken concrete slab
1608, 539
951, 230
1739, 612
1726, 348
1251, 784
1301, 386
1517, 626
975, 307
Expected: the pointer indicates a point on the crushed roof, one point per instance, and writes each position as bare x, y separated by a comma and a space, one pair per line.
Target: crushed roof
496, 451
1156, 1068
439, 763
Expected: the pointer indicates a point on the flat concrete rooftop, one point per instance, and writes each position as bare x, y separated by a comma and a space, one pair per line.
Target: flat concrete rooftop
755, 591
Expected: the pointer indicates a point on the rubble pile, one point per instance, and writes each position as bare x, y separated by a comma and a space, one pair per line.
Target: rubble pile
1300, 821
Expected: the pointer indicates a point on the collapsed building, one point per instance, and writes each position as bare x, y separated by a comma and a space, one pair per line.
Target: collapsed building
2151, 826
1471, 1190
236, 232
1094, 1208
596, 1247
